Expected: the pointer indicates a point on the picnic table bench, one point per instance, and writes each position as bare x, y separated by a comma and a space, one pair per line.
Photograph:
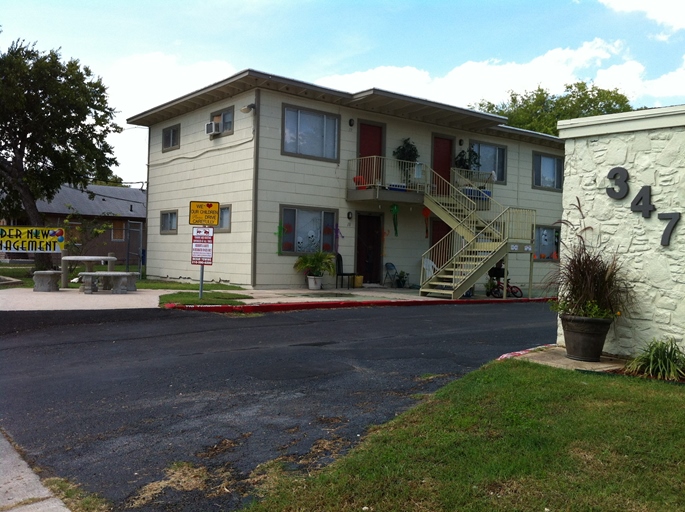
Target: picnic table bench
117, 282
89, 262
46, 280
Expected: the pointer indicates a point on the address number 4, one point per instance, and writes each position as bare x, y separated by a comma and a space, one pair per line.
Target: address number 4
642, 202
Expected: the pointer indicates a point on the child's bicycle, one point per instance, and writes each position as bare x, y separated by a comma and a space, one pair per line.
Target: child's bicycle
512, 290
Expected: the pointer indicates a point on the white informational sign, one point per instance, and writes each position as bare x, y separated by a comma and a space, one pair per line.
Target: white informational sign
203, 246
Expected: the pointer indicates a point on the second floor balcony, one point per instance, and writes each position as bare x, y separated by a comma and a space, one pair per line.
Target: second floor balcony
380, 178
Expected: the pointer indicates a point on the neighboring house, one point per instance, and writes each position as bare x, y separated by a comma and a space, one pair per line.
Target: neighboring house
297, 167
122, 207
627, 172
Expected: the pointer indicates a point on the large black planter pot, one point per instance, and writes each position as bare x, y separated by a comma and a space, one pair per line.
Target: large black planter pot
584, 336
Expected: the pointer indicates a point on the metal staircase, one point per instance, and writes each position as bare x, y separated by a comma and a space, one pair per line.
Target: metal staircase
482, 231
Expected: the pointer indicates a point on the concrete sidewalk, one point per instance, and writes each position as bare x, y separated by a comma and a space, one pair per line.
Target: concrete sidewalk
20, 488
22, 491
25, 299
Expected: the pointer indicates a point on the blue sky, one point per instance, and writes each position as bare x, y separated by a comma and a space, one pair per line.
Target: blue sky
455, 52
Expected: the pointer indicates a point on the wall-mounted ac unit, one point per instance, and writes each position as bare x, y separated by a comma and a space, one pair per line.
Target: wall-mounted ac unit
212, 129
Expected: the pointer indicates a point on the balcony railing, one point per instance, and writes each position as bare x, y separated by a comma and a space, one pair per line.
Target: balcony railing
378, 172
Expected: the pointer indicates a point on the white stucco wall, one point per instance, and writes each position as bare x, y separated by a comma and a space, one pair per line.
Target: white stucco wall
650, 145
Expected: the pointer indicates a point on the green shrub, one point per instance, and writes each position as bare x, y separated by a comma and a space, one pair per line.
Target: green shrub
660, 359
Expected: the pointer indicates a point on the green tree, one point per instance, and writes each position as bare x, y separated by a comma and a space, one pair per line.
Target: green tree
54, 123
83, 233
538, 110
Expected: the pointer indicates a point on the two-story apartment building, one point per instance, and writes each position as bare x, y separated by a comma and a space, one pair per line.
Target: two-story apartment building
296, 167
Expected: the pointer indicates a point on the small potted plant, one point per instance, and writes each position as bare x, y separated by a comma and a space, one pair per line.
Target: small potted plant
593, 291
402, 277
313, 265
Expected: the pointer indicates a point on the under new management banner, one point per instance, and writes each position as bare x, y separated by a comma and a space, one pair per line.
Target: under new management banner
31, 239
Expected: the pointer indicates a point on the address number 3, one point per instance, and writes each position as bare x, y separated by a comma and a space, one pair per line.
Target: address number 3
642, 202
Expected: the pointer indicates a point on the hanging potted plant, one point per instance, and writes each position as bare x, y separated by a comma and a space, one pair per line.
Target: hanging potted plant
407, 154
313, 265
593, 291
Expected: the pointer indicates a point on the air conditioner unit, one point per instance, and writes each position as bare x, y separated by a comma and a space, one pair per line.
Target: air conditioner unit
212, 128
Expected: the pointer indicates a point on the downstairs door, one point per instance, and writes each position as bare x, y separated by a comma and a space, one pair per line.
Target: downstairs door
369, 257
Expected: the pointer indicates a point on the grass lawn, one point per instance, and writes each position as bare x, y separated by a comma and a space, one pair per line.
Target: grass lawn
209, 299
512, 436
18, 271
23, 272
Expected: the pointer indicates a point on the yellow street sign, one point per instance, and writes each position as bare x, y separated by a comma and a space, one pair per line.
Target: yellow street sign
204, 213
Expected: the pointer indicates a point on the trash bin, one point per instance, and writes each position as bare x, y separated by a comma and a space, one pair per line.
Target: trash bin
358, 281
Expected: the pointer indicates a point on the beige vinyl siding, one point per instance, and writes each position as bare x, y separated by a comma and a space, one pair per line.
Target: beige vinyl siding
203, 169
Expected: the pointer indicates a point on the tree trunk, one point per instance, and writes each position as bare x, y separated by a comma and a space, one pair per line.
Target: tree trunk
41, 261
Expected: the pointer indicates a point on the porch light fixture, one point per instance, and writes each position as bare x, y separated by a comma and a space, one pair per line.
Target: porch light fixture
248, 108
349, 215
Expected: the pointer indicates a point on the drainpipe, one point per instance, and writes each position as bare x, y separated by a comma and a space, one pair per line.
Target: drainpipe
255, 189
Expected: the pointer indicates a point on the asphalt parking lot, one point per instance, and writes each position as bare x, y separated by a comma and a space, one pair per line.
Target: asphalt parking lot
113, 399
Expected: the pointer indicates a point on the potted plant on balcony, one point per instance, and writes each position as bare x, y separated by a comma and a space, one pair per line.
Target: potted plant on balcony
313, 265
407, 154
467, 159
593, 291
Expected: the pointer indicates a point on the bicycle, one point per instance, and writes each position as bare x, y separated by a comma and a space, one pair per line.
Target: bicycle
512, 290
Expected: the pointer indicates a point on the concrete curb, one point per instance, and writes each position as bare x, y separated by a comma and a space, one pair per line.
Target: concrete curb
297, 306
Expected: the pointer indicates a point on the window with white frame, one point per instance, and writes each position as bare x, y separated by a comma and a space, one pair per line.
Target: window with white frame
171, 138
310, 134
547, 243
224, 225
307, 230
225, 120
118, 231
169, 222
548, 171
492, 159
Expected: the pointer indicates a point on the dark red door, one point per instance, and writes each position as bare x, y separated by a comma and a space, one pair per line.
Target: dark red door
370, 140
438, 231
369, 247
370, 144
443, 156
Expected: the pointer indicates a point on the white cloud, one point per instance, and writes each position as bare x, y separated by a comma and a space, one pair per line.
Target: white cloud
491, 80
669, 13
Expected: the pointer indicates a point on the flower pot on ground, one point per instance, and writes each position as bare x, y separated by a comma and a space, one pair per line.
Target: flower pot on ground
401, 280
315, 282
593, 291
313, 265
584, 337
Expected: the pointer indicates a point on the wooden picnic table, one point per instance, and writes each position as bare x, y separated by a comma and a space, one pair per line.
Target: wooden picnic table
89, 261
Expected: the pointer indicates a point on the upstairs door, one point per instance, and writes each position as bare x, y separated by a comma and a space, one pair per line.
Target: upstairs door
443, 156
370, 144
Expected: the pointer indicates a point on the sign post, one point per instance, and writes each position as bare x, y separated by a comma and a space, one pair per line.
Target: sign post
202, 252
203, 213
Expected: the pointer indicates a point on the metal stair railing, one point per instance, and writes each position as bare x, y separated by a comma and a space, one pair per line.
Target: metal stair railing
448, 197
469, 178
470, 257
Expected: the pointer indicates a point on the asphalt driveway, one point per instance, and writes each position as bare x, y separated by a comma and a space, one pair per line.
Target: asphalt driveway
114, 399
